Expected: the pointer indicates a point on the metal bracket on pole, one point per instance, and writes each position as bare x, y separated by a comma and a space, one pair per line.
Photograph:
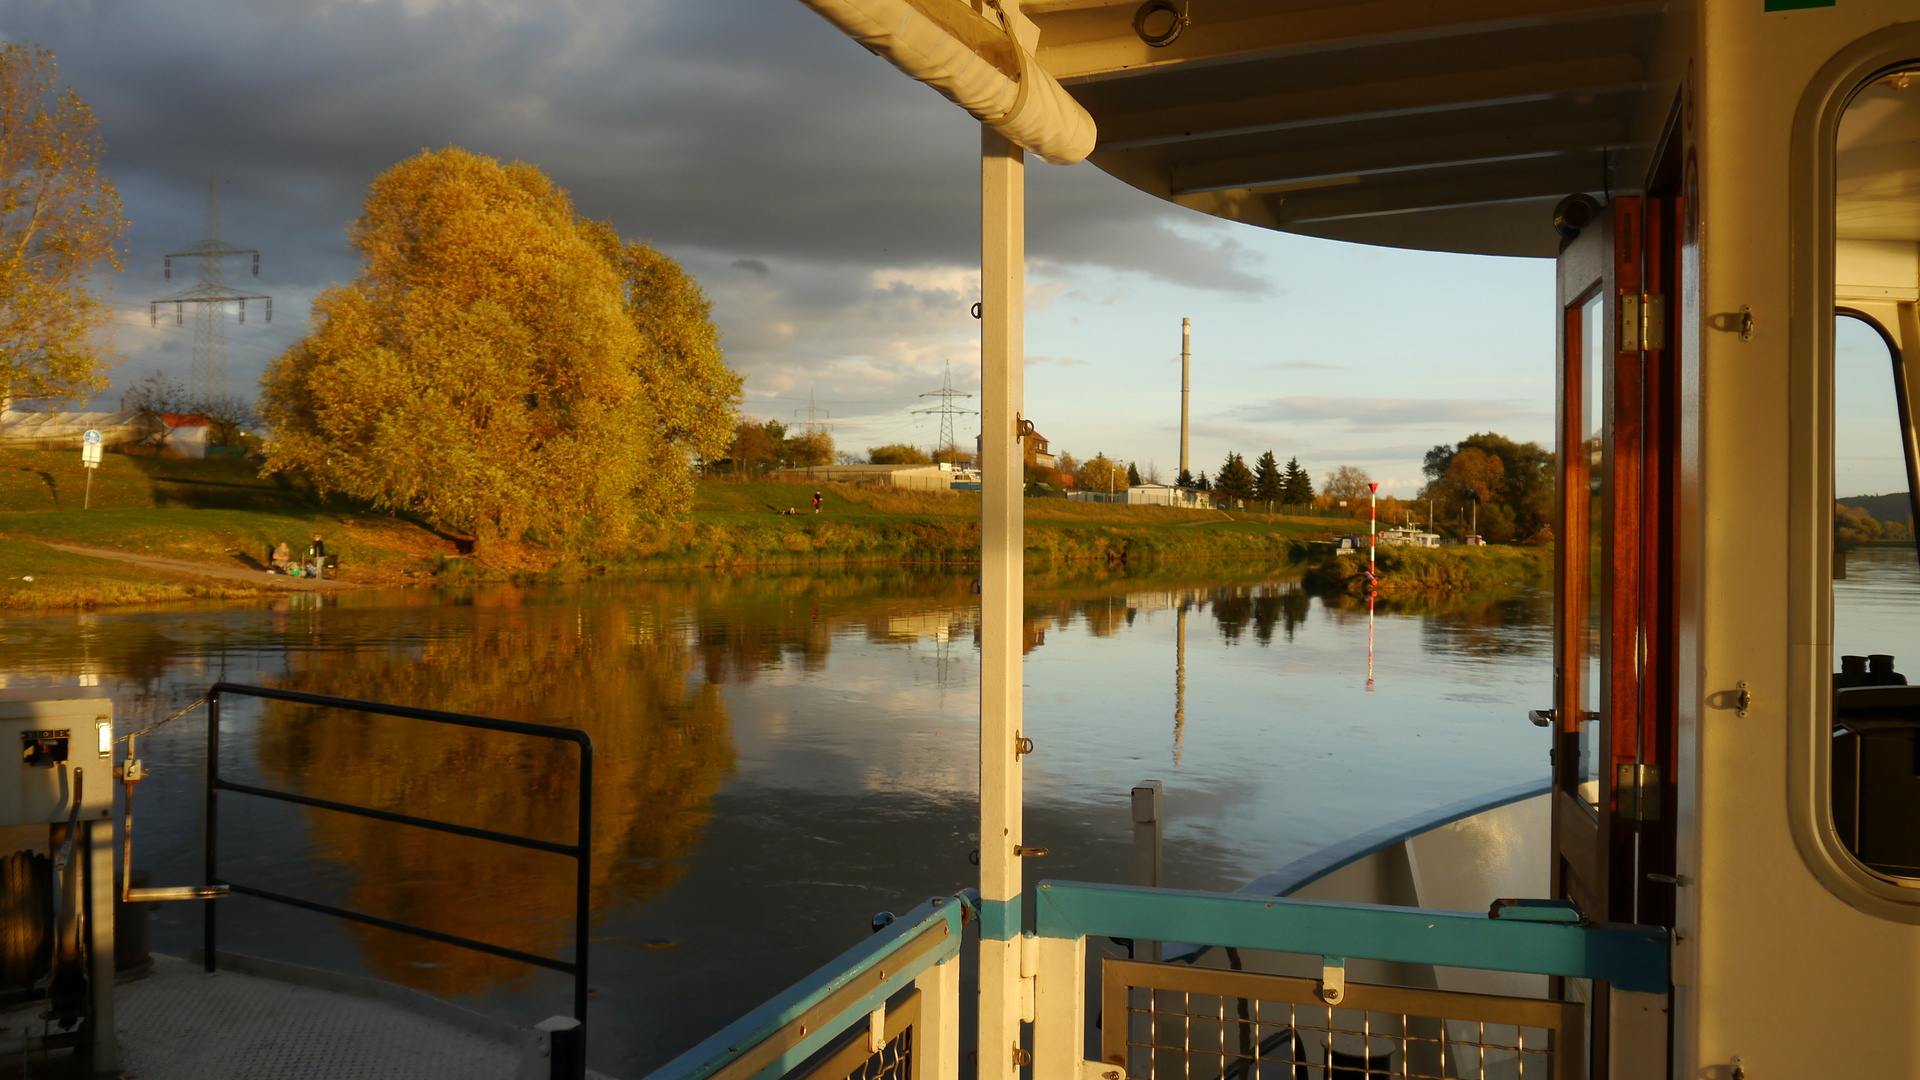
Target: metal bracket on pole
1333, 979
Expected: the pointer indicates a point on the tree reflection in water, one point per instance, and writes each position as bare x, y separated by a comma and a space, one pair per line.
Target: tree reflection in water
617, 670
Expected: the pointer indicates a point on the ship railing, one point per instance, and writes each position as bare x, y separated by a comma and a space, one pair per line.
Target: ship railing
1176, 1020
565, 1046
886, 1009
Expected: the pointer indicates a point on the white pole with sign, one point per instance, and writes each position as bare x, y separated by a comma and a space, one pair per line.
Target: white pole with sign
90, 457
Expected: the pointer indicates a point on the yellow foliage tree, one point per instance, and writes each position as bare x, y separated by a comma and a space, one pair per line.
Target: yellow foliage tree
693, 393
58, 217
496, 369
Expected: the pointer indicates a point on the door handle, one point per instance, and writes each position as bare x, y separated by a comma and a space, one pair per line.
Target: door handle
1540, 717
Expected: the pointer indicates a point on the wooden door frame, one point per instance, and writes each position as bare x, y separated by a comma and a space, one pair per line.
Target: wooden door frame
1585, 269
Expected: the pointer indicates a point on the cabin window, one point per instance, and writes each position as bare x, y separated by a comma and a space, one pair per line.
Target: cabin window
1593, 427
1875, 597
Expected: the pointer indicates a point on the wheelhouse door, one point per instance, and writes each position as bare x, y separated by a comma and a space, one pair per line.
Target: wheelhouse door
1582, 549
1614, 646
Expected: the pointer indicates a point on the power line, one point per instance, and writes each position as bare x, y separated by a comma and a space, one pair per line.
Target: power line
211, 297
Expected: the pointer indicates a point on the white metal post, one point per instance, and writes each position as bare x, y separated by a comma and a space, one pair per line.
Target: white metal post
103, 1043
1059, 1026
939, 1034
1002, 546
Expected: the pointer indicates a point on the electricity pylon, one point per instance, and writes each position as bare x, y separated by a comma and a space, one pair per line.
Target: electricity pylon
814, 413
209, 379
946, 410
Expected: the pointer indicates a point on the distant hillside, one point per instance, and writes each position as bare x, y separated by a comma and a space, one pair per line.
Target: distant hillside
1894, 507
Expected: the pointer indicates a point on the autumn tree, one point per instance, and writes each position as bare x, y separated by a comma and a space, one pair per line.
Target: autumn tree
1268, 485
499, 366
58, 219
752, 451
898, 454
690, 390
1101, 473
813, 447
1518, 503
1349, 485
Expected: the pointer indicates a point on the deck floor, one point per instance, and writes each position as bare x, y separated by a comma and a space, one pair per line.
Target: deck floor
180, 1023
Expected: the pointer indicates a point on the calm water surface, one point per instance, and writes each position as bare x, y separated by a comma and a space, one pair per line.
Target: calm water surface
778, 758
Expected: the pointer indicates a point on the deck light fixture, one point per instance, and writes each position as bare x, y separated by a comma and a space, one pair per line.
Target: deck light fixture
1159, 23
1573, 213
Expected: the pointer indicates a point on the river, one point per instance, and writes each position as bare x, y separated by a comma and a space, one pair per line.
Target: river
780, 757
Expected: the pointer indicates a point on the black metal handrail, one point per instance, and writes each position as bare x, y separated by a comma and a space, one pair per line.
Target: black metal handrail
581, 850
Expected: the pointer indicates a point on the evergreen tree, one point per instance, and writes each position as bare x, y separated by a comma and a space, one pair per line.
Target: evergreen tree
1297, 485
1235, 480
1133, 474
1186, 479
1201, 483
1268, 484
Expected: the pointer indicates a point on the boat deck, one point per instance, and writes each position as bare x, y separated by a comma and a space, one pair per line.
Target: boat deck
179, 1023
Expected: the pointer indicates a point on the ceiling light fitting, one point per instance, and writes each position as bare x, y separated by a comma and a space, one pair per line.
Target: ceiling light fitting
1166, 30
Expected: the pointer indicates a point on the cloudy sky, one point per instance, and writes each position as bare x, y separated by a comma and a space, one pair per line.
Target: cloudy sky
828, 205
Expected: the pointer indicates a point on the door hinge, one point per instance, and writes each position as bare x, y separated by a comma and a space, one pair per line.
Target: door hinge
1643, 322
1636, 791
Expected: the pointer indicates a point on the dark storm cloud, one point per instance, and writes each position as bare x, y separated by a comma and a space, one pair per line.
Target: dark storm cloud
741, 135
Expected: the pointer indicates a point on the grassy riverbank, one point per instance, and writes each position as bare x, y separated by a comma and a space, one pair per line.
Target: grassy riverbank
1407, 571
203, 529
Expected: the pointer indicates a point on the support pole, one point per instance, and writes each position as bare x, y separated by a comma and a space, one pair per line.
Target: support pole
1002, 546
1186, 360
1146, 851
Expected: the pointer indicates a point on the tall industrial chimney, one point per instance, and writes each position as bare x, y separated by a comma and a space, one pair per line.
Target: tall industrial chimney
1186, 356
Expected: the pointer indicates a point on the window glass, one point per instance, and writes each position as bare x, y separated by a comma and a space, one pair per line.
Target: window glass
1593, 412
1876, 589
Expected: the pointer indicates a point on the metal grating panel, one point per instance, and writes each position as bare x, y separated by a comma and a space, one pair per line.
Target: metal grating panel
1164, 1021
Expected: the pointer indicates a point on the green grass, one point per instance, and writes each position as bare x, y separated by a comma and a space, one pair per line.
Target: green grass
65, 580
369, 543
52, 480
221, 512
739, 525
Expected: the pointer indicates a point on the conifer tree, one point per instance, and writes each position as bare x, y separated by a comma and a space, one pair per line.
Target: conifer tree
1133, 474
1297, 485
1235, 480
1268, 484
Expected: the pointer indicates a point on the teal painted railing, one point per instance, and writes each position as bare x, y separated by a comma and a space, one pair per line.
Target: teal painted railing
1634, 958
780, 1035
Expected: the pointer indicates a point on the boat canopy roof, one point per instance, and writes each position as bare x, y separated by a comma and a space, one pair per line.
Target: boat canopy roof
1442, 126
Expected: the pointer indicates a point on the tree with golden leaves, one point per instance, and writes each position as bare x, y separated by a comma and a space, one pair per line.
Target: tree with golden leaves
501, 367
58, 218
693, 392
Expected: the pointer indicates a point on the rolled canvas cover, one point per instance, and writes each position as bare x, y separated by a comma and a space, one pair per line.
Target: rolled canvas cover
975, 63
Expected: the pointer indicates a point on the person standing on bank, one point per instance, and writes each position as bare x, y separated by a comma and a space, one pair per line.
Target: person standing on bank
816, 502
317, 557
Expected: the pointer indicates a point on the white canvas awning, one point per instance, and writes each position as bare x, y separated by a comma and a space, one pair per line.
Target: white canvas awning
977, 63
